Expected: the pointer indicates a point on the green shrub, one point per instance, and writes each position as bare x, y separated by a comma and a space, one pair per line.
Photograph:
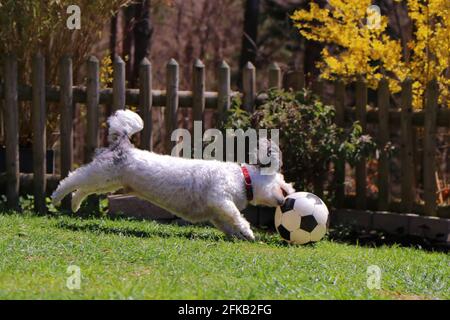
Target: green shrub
309, 138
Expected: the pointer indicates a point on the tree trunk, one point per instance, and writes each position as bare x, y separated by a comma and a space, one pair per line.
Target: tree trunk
143, 31
249, 48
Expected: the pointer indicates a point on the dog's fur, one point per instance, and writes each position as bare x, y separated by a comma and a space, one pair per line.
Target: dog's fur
196, 190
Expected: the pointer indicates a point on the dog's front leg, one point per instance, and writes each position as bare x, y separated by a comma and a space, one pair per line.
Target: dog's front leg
228, 218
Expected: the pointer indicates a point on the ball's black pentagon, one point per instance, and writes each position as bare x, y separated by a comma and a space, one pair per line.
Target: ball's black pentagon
288, 205
308, 223
314, 197
284, 233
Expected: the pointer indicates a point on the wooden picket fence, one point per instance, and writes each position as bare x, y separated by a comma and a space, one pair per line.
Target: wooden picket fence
145, 98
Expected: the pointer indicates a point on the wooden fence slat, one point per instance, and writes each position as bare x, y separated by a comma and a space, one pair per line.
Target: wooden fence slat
198, 90
92, 104
339, 178
249, 86
39, 133
317, 88
294, 80
11, 119
198, 104
171, 102
360, 169
407, 159
145, 103
224, 92
429, 152
118, 84
274, 76
383, 139
66, 121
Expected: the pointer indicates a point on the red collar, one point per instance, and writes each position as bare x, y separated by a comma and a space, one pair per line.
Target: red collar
248, 183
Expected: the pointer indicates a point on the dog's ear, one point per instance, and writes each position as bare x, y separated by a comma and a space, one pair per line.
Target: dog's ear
269, 156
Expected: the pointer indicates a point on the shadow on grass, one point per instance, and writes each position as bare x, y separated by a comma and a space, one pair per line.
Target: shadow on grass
123, 231
376, 239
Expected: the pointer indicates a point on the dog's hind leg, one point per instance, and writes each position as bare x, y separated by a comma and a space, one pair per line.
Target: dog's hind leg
90, 178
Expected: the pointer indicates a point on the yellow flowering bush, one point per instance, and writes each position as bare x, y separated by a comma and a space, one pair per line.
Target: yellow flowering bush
357, 44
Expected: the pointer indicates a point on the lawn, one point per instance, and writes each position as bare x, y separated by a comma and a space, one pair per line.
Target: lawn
126, 259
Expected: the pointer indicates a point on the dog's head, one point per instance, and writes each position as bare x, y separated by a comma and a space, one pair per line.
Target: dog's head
269, 187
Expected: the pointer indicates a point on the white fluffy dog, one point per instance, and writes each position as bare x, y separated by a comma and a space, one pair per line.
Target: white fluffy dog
196, 190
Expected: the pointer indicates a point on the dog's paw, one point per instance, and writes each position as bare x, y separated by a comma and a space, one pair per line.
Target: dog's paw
243, 235
55, 200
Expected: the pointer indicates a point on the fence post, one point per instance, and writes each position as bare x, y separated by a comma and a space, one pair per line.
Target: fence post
118, 84
66, 122
224, 94
145, 103
92, 105
198, 103
39, 133
429, 152
295, 80
339, 94
249, 86
407, 159
11, 121
360, 170
383, 139
274, 76
171, 101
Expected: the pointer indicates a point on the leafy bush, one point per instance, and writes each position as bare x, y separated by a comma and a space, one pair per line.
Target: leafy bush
309, 138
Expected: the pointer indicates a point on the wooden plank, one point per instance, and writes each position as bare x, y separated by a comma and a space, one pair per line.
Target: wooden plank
66, 121
429, 152
145, 103
171, 110
317, 88
294, 80
185, 101
198, 105
249, 87
118, 84
39, 133
339, 178
92, 104
383, 139
224, 92
11, 118
274, 76
407, 159
360, 169
198, 91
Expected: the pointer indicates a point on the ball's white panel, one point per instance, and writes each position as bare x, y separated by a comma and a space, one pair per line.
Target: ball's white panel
291, 220
300, 237
304, 206
297, 195
278, 217
321, 214
318, 232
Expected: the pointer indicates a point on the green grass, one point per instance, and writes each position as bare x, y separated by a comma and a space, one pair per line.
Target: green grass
125, 259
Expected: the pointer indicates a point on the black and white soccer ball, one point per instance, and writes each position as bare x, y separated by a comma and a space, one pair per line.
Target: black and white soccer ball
302, 218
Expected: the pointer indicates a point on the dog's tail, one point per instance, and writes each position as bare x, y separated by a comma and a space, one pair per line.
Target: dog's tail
124, 123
